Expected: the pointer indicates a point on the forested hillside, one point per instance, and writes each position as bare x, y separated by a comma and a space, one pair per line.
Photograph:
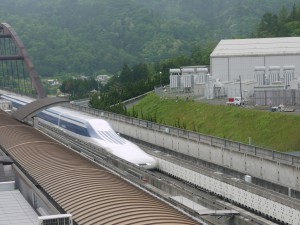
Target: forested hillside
100, 36
283, 24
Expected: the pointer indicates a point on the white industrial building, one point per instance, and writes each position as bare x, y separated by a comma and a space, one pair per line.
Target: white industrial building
242, 67
265, 60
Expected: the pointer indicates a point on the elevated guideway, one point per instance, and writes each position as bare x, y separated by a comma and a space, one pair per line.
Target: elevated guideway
267, 168
90, 193
276, 206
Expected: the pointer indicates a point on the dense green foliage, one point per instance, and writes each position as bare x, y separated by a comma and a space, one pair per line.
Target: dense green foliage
271, 130
109, 101
79, 88
141, 78
130, 83
284, 24
100, 36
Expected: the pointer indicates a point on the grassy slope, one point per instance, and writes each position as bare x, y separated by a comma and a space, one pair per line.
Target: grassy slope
272, 130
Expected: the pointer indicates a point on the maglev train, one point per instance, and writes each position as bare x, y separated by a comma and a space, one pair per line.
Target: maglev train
89, 129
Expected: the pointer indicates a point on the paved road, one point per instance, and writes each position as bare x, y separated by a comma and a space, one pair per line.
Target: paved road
251, 105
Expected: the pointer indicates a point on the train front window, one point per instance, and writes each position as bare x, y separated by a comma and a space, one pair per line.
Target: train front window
111, 137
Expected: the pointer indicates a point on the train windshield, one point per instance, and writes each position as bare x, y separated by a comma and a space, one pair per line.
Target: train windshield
111, 136
102, 130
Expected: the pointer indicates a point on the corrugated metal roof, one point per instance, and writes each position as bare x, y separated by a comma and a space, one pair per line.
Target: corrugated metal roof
257, 46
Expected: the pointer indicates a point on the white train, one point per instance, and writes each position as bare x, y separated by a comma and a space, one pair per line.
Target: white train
90, 129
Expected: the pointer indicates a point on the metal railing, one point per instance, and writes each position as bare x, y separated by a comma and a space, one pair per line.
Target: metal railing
198, 137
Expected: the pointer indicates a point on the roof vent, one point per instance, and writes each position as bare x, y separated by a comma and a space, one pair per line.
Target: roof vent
61, 219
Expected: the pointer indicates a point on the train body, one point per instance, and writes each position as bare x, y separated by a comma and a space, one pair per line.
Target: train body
91, 130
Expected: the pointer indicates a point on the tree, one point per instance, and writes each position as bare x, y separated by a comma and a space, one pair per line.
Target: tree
140, 71
78, 88
294, 13
268, 27
201, 54
126, 74
283, 25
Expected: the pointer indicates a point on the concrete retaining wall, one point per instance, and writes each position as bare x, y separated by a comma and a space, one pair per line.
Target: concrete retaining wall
277, 208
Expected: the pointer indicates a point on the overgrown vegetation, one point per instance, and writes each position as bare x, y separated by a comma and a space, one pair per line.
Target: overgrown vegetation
271, 130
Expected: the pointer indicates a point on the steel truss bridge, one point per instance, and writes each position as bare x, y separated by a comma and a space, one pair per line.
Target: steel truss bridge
18, 74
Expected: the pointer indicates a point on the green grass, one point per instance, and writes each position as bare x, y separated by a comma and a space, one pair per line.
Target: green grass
277, 131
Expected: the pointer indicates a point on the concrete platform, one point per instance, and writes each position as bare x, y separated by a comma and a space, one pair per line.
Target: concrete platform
15, 210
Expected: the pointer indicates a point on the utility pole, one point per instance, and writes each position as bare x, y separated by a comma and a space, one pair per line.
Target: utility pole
241, 86
160, 79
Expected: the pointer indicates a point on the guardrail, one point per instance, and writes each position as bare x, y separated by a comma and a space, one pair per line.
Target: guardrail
201, 138
136, 98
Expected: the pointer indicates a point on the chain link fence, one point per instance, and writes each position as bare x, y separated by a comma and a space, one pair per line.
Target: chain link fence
277, 97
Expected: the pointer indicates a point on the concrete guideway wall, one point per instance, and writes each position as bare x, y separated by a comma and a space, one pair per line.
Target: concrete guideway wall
237, 192
267, 169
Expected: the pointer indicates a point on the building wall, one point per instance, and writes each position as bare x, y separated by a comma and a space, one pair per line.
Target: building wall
229, 68
219, 68
244, 67
283, 60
